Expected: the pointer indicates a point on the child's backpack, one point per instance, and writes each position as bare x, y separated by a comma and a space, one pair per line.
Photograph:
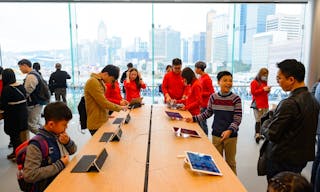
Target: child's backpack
82, 113
21, 157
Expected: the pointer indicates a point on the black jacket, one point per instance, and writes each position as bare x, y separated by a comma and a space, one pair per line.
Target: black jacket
58, 79
293, 128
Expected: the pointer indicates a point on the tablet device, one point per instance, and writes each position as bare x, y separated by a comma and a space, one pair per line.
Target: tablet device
185, 132
116, 135
203, 163
117, 121
106, 137
174, 115
90, 163
135, 101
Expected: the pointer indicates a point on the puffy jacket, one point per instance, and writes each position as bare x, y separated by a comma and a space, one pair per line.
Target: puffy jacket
293, 128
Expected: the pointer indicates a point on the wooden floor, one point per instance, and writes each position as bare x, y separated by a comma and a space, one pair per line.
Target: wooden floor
247, 152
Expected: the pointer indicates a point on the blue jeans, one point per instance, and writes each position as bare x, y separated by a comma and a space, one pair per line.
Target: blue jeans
315, 174
203, 124
274, 168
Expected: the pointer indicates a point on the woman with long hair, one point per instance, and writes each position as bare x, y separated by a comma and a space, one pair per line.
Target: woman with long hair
133, 84
260, 90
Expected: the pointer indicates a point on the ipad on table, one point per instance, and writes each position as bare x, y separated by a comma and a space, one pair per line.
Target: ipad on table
174, 115
136, 101
90, 163
203, 163
185, 132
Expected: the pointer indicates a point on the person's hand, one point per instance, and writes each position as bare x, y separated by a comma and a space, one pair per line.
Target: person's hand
225, 135
168, 98
124, 108
189, 119
65, 160
124, 102
139, 75
64, 138
267, 88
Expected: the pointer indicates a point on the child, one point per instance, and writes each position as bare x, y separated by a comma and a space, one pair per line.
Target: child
289, 182
226, 107
133, 84
42, 172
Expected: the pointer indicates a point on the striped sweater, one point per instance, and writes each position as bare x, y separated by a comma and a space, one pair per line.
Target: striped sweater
227, 110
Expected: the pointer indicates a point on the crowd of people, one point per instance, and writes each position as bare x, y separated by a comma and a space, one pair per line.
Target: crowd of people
290, 133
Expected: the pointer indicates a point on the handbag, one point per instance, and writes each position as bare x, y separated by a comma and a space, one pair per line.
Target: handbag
262, 160
254, 104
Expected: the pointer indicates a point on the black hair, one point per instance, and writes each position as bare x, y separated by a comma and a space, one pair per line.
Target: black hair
25, 62
168, 66
289, 182
112, 70
1, 69
176, 61
129, 65
188, 74
292, 68
223, 73
8, 77
36, 66
201, 65
137, 80
57, 111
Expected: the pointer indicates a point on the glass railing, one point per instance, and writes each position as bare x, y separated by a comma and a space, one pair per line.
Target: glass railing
153, 95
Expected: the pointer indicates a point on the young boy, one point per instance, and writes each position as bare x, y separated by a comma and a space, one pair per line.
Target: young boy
226, 107
42, 172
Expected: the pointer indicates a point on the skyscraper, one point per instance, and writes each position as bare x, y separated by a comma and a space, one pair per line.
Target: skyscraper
199, 47
209, 21
249, 26
288, 23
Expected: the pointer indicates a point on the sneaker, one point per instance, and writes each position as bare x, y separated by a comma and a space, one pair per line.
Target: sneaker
11, 156
257, 137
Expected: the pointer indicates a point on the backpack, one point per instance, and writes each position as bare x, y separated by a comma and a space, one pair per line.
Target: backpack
21, 152
82, 113
43, 93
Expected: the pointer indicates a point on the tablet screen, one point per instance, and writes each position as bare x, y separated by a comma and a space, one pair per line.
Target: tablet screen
190, 132
202, 163
174, 115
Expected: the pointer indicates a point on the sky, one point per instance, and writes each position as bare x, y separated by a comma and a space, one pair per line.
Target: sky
35, 26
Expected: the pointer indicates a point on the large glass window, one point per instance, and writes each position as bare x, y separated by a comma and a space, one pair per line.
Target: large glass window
240, 38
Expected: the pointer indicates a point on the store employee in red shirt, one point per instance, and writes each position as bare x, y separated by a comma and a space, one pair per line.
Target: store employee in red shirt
207, 90
133, 84
113, 94
193, 99
172, 84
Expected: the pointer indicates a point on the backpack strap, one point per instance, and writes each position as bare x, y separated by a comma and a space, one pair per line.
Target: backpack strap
43, 144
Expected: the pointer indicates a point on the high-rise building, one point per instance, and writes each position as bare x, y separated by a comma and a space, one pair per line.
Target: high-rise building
220, 28
199, 47
167, 43
209, 21
249, 26
102, 32
185, 50
288, 23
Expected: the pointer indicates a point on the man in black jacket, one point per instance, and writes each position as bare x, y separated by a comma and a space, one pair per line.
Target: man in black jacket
293, 126
58, 83
124, 77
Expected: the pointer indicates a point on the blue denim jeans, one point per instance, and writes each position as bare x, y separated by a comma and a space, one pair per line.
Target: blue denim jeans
203, 124
315, 174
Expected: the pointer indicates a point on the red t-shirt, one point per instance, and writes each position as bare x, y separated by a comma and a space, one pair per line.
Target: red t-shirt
173, 84
194, 98
132, 90
207, 89
259, 94
1, 86
113, 94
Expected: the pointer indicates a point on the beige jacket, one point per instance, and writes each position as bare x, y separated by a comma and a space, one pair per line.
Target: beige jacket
97, 106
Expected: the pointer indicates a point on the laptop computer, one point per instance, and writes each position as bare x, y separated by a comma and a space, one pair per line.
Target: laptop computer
202, 163
91, 163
